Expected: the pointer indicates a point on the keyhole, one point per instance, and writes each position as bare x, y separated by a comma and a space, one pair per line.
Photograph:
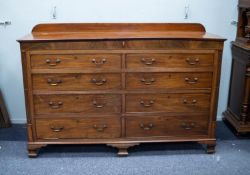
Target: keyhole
78, 76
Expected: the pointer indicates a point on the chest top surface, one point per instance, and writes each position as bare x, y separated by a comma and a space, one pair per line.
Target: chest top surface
110, 31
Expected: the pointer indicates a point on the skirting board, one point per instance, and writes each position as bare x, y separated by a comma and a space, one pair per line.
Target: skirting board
18, 121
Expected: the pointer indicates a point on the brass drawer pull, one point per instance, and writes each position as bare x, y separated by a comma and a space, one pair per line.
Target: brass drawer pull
148, 81
192, 80
146, 127
98, 105
100, 128
55, 105
99, 63
188, 125
99, 82
57, 129
148, 62
54, 82
191, 61
53, 63
147, 104
192, 102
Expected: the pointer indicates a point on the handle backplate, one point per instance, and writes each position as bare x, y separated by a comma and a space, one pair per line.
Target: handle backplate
55, 105
148, 81
189, 102
98, 105
147, 104
57, 128
54, 82
51, 62
100, 128
99, 82
146, 127
99, 62
188, 125
148, 61
192, 80
192, 61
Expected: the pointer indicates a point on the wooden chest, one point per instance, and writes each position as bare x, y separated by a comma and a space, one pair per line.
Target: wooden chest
120, 84
238, 111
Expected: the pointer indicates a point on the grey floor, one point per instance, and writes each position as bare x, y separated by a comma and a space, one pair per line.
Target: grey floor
232, 157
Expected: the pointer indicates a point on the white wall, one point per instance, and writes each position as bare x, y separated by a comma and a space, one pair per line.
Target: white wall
216, 15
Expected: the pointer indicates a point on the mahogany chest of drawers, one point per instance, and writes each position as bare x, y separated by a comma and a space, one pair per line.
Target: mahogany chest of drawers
120, 84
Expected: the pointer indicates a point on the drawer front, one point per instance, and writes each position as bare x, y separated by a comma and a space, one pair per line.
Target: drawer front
76, 81
169, 60
86, 61
183, 126
88, 128
167, 103
49, 104
133, 44
168, 80
172, 44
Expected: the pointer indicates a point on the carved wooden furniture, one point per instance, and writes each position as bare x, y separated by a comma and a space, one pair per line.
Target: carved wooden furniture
238, 112
120, 84
4, 116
